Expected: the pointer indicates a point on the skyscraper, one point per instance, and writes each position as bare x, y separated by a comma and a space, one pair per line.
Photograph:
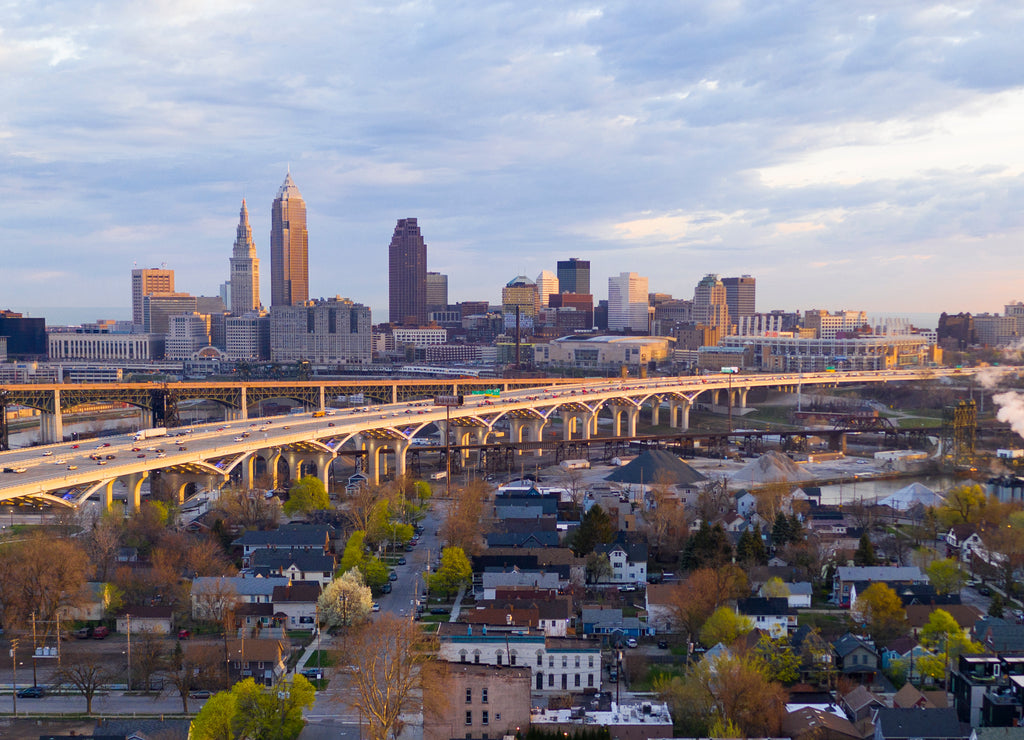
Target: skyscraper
245, 268
289, 247
709, 302
437, 291
547, 285
628, 307
147, 282
573, 276
407, 275
740, 296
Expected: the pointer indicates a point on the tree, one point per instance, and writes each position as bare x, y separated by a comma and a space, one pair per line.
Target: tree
255, 712
598, 568
773, 499
148, 656
694, 600
346, 601
102, 543
775, 588
354, 553
390, 657
964, 504
195, 666
462, 526
776, 659
40, 575
666, 523
85, 671
595, 529
736, 693
306, 495
879, 608
997, 605
724, 626
750, 549
248, 509
945, 575
781, 530
946, 640
708, 547
423, 492
865, 554
455, 571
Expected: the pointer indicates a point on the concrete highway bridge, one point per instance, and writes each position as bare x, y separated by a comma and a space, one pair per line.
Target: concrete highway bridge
383, 429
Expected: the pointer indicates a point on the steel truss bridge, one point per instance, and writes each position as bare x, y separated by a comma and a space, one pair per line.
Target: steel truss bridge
380, 433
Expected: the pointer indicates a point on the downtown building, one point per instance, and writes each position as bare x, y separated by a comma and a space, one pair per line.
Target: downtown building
247, 338
628, 306
333, 331
289, 247
243, 295
407, 275
573, 275
146, 282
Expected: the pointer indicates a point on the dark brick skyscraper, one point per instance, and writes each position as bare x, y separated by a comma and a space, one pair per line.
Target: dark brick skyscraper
289, 247
407, 275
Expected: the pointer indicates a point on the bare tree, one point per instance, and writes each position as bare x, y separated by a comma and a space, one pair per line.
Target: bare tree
86, 672
391, 664
188, 669
147, 658
249, 509
666, 522
462, 526
40, 575
215, 601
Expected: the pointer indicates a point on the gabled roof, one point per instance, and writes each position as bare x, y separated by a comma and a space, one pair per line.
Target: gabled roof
522, 539
636, 552
966, 615
810, 720
304, 560
938, 724
764, 606
884, 573
849, 642
287, 535
242, 586
860, 698
302, 592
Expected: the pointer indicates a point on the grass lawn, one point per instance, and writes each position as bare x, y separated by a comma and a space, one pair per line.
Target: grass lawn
831, 625
326, 660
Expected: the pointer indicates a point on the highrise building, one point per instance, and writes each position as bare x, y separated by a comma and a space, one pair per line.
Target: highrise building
147, 282
628, 307
573, 275
245, 268
159, 307
709, 302
334, 331
740, 293
407, 275
547, 285
289, 247
437, 292
520, 292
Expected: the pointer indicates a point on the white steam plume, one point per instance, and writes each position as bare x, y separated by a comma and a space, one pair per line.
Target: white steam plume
1011, 410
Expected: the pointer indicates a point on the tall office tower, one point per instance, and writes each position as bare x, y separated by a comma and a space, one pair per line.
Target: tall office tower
289, 247
407, 275
628, 306
709, 302
522, 292
245, 268
547, 285
739, 296
573, 276
147, 282
437, 292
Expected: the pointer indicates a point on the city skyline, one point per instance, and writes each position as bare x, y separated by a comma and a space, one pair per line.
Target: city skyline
848, 157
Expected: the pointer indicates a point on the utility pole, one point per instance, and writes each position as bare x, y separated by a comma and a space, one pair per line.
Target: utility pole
14, 671
128, 617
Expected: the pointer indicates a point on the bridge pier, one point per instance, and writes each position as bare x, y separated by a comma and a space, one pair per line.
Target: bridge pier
134, 483
399, 447
373, 463
272, 456
655, 408
743, 397
51, 425
679, 410
108, 495
321, 403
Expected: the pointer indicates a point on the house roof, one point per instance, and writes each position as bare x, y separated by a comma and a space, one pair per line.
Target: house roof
764, 607
253, 651
287, 535
860, 698
902, 645
966, 615
894, 724
304, 560
810, 720
636, 552
300, 592
243, 586
529, 539
999, 635
849, 642
883, 573
147, 612
656, 467
909, 696
547, 556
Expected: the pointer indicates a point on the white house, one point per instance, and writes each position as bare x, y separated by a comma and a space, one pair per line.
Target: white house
628, 561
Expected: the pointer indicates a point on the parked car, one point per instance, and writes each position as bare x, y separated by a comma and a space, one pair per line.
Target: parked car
631, 642
200, 694
401, 561
32, 692
663, 644
386, 588
313, 673
100, 632
184, 634
83, 633
392, 576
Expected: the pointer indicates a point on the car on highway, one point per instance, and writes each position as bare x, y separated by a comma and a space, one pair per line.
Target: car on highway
72, 467
47, 453
32, 692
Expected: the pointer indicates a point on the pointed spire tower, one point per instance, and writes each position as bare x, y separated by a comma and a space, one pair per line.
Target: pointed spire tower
245, 268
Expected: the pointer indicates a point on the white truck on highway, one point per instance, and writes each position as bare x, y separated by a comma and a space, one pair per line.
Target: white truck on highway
148, 433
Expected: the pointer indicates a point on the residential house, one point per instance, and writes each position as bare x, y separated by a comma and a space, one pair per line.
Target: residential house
908, 650
308, 537
966, 615
799, 596
961, 540
860, 704
522, 539
911, 697
608, 621
261, 660
892, 575
642, 720
212, 596
628, 561
92, 606
558, 664
543, 559
999, 635
919, 724
483, 701
296, 565
856, 657
492, 580
771, 615
810, 723
157, 620
554, 611
745, 502
660, 609
295, 605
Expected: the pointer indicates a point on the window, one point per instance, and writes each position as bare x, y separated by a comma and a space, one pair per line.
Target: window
469, 717
484, 717
512, 658
577, 661
590, 680
551, 661
551, 679
469, 696
540, 660
565, 661
499, 657
497, 716
483, 695
590, 662
577, 682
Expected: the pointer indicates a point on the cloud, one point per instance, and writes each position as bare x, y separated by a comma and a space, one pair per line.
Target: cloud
822, 148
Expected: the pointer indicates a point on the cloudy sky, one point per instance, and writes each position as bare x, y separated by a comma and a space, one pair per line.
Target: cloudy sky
848, 155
